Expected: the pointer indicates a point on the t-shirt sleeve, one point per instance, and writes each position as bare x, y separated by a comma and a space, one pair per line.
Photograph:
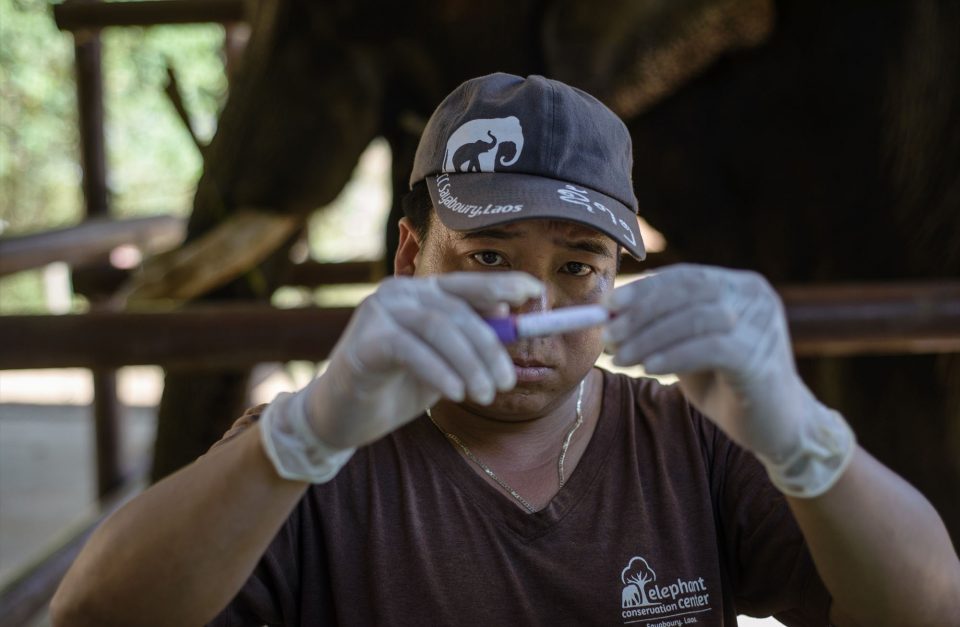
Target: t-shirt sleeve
270, 595
771, 569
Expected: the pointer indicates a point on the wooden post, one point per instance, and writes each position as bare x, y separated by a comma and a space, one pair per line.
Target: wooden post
90, 109
106, 413
93, 160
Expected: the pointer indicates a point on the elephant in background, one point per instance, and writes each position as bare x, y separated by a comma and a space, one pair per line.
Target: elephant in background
809, 141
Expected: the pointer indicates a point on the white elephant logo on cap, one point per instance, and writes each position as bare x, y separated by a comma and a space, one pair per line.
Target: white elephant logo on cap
484, 145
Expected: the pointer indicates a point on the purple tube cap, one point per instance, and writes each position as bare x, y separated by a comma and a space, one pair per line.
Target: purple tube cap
505, 328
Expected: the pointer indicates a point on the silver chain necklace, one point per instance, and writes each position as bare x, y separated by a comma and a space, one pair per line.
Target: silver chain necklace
489, 471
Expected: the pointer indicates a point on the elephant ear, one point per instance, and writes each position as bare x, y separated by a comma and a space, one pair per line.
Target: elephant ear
506, 155
633, 53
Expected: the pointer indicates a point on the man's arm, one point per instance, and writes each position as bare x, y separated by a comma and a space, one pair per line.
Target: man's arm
179, 552
879, 546
881, 550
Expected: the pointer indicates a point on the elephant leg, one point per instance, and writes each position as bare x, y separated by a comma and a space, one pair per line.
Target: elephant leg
283, 143
196, 409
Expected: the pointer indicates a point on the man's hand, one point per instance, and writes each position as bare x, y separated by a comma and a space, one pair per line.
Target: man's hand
412, 342
724, 333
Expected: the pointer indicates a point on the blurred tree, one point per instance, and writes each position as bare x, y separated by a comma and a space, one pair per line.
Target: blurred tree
39, 177
153, 165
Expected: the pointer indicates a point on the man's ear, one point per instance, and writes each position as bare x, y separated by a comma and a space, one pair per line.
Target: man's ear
408, 250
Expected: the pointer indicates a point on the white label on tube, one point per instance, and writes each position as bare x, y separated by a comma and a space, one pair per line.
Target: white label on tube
561, 320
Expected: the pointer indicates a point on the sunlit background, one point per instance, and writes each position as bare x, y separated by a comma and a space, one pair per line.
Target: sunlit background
47, 482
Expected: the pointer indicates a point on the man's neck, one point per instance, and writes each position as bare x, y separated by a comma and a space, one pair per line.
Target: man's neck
524, 444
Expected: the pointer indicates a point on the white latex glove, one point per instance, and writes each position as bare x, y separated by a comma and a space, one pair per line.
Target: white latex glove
412, 342
724, 333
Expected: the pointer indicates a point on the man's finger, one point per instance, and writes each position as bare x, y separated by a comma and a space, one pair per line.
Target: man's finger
705, 352
444, 337
633, 346
426, 365
484, 290
480, 334
664, 291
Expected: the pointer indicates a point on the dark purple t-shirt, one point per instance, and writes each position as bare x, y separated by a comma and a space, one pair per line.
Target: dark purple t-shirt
663, 522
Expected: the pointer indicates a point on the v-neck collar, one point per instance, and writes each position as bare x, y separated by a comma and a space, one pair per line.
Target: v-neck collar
495, 503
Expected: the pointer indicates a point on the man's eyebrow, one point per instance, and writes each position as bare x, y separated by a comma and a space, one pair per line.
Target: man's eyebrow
592, 246
492, 234
587, 245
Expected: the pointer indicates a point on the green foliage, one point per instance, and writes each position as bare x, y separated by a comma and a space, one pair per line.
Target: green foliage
152, 164
22, 293
39, 176
152, 161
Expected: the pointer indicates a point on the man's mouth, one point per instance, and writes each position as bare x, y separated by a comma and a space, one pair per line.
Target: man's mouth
530, 370
529, 363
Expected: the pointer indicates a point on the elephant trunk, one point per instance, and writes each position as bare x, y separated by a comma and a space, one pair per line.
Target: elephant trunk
509, 152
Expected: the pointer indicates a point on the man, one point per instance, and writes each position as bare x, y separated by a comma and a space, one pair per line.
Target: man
433, 475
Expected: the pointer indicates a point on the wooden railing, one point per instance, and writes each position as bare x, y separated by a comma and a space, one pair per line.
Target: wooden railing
823, 319
88, 242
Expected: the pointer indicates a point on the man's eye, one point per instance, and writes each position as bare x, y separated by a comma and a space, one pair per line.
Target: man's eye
489, 258
577, 269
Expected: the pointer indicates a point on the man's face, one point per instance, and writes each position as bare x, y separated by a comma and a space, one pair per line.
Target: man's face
576, 264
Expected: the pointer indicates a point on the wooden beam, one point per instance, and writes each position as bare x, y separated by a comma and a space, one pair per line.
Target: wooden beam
849, 319
832, 320
88, 241
76, 16
202, 337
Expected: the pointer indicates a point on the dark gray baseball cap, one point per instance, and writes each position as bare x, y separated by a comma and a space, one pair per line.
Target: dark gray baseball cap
502, 148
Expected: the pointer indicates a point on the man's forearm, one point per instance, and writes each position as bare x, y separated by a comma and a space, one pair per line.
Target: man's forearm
178, 553
881, 549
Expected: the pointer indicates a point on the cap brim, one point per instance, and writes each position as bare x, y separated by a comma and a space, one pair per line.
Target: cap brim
471, 201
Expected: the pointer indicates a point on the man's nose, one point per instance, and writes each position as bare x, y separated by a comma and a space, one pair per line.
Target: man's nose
544, 302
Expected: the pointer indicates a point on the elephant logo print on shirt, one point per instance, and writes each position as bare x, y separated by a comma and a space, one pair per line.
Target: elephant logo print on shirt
635, 578
484, 145
644, 597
